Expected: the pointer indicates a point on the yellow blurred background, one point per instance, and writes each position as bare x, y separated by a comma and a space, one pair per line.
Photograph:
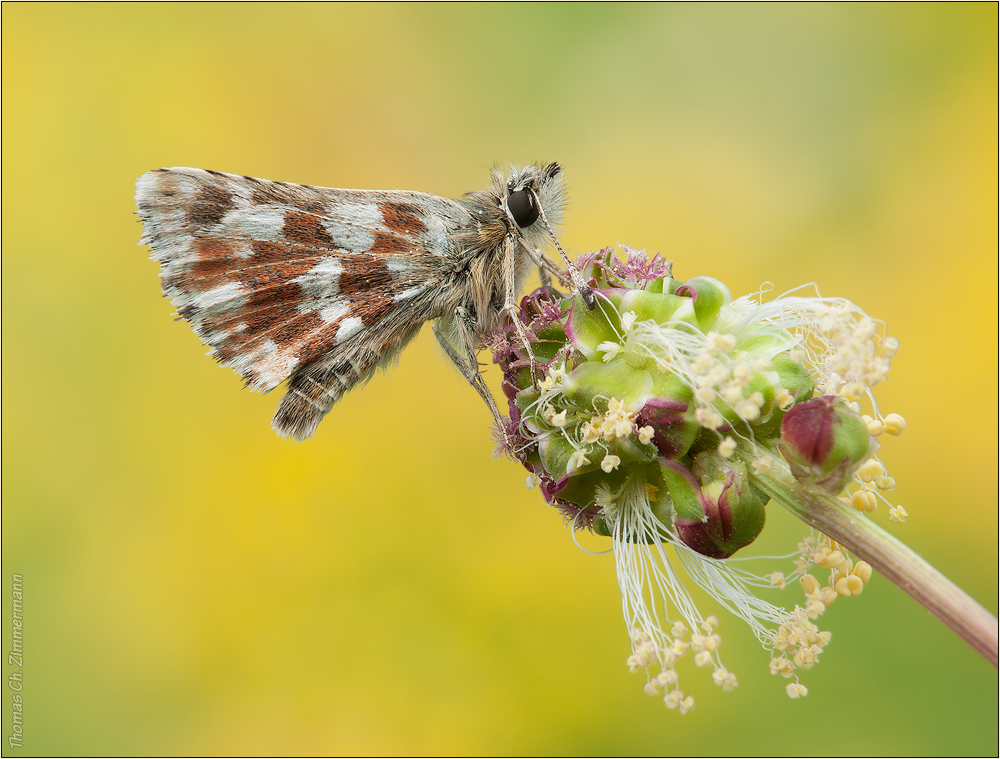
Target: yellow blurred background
193, 585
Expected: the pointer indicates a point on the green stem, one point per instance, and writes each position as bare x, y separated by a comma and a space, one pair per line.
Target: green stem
885, 553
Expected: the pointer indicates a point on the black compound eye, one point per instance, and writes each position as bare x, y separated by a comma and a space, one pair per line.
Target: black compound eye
522, 207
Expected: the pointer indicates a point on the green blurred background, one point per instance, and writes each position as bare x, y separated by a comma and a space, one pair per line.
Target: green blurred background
195, 585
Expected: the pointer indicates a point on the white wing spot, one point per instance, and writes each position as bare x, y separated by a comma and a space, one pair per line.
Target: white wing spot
398, 263
348, 327
334, 312
257, 222
322, 280
351, 225
409, 293
220, 294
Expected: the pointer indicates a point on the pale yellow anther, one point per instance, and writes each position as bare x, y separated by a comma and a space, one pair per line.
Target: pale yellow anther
777, 579
763, 464
727, 447
646, 435
779, 640
628, 319
533, 481
890, 346
679, 630
686, 705
610, 350
742, 374
558, 420
885, 483
852, 391
897, 514
673, 699
666, 678
724, 679
842, 571
863, 570
870, 469
732, 394
829, 595
875, 427
709, 418
721, 343
815, 607
705, 395
784, 399
804, 658
809, 584
852, 585
651, 688
796, 690
703, 363
703, 659
864, 500
894, 424
577, 461
747, 410
610, 462
643, 657
710, 623
829, 559
781, 666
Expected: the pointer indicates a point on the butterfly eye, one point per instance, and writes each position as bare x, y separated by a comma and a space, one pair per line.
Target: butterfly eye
522, 207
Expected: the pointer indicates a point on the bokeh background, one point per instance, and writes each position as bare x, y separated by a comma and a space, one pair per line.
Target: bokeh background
194, 585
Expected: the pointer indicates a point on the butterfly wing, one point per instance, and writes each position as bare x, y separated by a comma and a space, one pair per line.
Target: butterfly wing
283, 280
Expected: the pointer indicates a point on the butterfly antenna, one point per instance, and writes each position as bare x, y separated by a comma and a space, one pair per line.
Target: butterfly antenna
574, 274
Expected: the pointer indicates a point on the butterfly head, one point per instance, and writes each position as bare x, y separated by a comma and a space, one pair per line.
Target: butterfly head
532, 196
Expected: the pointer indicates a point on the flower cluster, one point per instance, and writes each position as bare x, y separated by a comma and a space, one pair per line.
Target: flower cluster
656, 418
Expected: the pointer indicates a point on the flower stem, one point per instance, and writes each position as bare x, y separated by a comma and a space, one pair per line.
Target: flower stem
885, 553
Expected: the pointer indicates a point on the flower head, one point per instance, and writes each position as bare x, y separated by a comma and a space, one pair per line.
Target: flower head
654, 418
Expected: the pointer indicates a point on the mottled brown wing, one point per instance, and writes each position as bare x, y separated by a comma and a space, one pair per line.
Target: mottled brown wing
278, 278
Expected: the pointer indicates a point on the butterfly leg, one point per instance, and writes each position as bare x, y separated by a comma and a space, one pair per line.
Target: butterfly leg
456, 335
546, 266
510, 306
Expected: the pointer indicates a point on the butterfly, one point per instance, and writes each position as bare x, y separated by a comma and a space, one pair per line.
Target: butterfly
321, 286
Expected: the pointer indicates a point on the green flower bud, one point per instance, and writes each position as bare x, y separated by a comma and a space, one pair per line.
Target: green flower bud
717, 512
824, 442
708, 296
